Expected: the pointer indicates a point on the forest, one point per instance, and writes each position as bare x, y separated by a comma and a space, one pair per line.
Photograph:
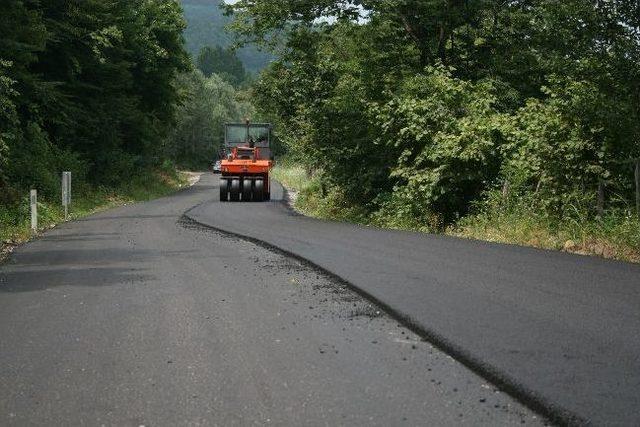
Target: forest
107, 91
515, 121
87, 87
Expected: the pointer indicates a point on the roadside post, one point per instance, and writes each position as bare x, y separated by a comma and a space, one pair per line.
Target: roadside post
34, 210
637, 179
66, 193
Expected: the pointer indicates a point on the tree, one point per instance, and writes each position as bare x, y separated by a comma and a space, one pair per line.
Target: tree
563, 77
216, 60
86, 85
207, 104
7, 124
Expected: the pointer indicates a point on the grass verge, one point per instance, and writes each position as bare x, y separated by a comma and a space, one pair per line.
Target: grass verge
307, 196
15, 221
614, 236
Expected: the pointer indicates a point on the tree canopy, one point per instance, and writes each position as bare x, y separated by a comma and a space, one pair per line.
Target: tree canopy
208, 103
86, 86
216, 60
417, 108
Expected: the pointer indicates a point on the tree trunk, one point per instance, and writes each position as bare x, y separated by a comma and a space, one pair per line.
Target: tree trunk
600, 206
442, 43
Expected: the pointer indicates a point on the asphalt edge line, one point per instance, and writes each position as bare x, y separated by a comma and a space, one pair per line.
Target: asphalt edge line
552, 413
287, 202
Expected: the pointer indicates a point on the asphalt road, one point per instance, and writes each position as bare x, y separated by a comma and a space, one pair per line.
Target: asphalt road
560, 331
139, 316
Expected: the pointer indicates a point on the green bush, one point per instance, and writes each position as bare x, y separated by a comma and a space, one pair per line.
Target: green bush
557, 147
447, 135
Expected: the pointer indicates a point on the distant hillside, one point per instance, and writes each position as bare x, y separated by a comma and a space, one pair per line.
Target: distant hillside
206, 28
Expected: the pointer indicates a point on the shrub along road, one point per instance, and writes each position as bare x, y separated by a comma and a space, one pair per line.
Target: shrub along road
558, 330
139, 316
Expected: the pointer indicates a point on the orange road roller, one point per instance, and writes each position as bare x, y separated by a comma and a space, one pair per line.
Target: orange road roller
246, 163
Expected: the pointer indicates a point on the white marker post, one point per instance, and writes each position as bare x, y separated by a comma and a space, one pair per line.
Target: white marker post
66, 193
34, 210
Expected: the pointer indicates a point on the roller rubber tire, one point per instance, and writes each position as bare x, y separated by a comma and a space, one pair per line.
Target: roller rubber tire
235, 190
246, 190
258, 191
224, 190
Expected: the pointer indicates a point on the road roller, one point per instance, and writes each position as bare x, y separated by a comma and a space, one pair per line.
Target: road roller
246, 163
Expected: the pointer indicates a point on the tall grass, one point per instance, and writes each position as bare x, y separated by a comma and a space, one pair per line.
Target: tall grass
293, 177
615, 234
309, 198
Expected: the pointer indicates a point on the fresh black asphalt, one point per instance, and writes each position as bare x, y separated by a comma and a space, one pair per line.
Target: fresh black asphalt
561, 331
139, 316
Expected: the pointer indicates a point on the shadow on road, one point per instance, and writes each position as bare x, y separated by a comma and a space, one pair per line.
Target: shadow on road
40, 269
43, 279
121, 217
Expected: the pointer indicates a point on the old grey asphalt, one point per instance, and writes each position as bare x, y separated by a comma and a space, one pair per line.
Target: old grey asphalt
561, 331
140, 316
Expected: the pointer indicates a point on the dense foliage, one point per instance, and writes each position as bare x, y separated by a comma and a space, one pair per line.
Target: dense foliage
216, 60
86, 86
419, 110
209, 102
